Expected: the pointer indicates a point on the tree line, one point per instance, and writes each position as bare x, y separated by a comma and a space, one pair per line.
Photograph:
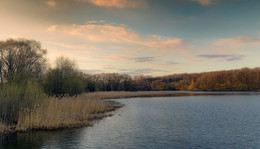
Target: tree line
244, 79
24, 61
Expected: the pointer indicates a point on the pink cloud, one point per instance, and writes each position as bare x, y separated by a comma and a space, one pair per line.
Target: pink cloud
116, 3
120, 34
52, 28
51, 3
237, 41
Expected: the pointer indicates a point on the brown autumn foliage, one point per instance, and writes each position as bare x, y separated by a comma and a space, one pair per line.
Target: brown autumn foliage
244, 79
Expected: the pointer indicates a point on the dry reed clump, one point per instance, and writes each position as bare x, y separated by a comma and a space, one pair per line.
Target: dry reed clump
3, 128
56, 113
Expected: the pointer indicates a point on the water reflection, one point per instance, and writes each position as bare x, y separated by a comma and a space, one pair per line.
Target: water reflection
41, 139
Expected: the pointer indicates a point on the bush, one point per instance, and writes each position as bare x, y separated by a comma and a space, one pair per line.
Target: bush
64, 79
15, 97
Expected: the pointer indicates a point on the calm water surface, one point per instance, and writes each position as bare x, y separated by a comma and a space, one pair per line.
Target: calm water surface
217, 122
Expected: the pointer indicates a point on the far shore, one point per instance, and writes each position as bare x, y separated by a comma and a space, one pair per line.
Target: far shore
136, 94
108, 106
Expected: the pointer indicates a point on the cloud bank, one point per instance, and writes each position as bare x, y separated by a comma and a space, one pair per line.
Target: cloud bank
100, 32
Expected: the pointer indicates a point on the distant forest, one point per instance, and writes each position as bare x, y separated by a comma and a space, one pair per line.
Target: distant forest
244, 79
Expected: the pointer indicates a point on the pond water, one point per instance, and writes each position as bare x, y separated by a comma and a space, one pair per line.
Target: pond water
217, 122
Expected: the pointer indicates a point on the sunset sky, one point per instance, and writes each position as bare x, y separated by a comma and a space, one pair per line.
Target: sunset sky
150, 37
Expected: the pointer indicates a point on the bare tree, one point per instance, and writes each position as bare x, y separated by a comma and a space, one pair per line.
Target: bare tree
21, 58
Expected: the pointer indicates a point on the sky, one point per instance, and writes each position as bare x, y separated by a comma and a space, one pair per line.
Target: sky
150, 37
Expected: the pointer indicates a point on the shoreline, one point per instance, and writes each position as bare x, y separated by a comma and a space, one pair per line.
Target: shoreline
143, 94
110, 106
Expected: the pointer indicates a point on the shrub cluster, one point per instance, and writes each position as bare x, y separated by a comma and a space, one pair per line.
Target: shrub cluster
24, 80
64, 79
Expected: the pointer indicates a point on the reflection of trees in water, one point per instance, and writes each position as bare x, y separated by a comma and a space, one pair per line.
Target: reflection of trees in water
40, 139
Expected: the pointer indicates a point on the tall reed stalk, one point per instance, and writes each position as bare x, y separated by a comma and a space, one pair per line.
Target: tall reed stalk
56, 113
